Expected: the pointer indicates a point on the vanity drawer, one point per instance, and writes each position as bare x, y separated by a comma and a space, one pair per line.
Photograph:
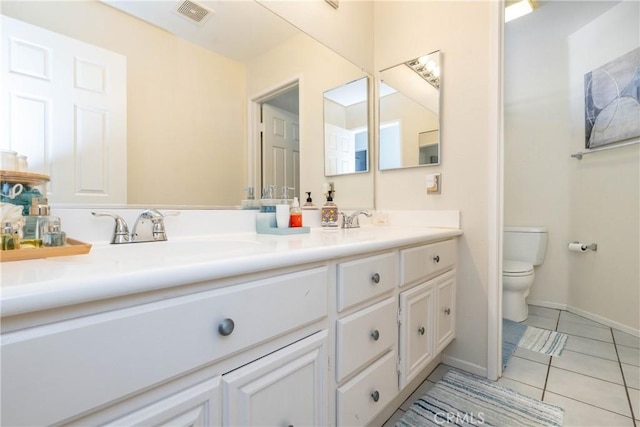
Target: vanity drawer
52, 371
366, 278
422, 261
364, 335
362, 398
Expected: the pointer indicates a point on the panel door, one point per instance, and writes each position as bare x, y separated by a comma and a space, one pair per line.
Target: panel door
281, 149
198, 406
288, 387
416, 330
64, 105
446, 316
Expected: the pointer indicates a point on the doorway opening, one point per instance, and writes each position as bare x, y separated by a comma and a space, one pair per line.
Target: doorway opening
277, 140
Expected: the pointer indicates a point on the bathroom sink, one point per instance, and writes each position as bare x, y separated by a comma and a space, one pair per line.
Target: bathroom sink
172, 250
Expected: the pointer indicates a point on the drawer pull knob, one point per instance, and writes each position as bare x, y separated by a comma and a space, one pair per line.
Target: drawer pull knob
375, 396
436, 258
375, 335
447, 311
375, 278
421, 330
226, 327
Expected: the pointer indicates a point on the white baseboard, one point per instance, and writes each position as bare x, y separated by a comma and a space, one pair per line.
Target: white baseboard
547, 304
608, 322
465, 366
596, 318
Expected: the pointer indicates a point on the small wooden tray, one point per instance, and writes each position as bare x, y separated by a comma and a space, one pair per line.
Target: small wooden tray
72, 247
23, 177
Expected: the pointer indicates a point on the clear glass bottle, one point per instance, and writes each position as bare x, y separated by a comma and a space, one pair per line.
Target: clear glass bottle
37, 223
329, 213
7, 238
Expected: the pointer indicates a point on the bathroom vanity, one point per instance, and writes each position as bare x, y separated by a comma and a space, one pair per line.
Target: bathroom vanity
326, 328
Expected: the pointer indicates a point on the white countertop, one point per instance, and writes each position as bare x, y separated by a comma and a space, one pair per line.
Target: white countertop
116, 270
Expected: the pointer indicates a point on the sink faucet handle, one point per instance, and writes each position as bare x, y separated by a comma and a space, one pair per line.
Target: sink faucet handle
121, 230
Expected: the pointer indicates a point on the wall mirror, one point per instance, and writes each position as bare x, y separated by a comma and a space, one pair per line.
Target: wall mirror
188, 92
346, 128
409, 111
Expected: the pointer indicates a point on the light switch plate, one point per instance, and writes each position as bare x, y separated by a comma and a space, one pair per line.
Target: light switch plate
433, 183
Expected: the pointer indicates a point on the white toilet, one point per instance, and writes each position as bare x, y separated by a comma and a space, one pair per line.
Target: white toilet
524, 248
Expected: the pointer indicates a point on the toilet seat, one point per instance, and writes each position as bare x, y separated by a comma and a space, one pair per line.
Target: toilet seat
516, 268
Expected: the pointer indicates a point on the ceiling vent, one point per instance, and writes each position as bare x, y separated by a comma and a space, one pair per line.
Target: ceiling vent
194, 12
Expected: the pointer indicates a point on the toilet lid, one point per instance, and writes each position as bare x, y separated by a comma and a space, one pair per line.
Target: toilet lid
516, 267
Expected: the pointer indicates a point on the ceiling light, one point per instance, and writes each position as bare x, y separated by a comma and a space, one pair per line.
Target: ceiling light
516, 9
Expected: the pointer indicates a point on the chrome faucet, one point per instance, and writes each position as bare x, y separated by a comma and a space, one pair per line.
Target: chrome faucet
352, 220
149, 227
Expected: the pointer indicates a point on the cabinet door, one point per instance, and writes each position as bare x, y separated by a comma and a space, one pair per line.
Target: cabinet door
198, 406
416, 330
285, 388
446, 317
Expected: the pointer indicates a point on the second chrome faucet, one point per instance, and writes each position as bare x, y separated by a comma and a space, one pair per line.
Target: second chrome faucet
149, 227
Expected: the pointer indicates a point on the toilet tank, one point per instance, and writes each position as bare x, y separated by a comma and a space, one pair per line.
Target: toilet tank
528, 244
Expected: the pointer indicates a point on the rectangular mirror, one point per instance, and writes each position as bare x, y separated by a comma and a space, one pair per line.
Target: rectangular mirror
409, 112
346, 128
188, 142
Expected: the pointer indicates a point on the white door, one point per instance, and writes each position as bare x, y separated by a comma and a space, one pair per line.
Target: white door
416, 331
446, 318
339, 150
280, 149
285, 388
64, 106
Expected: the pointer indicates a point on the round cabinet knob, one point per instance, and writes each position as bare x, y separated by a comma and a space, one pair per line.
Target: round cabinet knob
375, 335
226, 327
447, 311
436, 258
375, 278
421, 330
375, 396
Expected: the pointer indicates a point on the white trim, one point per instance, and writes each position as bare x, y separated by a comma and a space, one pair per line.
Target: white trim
464, 365
588, 315
495, 196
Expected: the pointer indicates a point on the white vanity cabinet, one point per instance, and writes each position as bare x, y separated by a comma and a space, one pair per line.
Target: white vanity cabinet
366, 339
55, 372
427, 305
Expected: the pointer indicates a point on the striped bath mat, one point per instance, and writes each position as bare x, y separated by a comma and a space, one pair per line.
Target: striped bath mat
462, 399
544, 341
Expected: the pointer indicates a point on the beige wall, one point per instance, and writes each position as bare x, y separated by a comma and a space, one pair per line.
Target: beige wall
595, 199
319, 70
186, 129
605, 187
462, 31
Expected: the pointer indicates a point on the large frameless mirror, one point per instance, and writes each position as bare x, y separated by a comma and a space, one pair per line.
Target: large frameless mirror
409, 105
346, 128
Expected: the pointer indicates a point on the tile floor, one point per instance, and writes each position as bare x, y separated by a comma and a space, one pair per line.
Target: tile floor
596, 379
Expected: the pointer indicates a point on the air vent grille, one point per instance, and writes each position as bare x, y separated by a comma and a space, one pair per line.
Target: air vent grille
194, 11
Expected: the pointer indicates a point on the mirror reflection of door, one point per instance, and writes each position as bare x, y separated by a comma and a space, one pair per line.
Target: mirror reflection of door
281, 142
346, 136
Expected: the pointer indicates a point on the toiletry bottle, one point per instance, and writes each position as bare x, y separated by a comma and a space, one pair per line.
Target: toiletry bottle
54, 236
330, 213
309, 204
295, 214
7, 237
37, 222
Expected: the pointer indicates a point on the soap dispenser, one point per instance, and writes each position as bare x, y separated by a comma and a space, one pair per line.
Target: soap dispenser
37, 222
295, 214
329, 213
309, 204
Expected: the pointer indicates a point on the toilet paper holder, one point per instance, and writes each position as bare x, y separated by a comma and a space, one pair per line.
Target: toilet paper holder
592, 247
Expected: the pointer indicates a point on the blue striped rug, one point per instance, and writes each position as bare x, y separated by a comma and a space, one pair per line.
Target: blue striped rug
463, 399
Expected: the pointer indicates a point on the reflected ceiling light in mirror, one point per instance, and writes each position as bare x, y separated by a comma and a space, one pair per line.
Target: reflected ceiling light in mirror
427, 68
517, 8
